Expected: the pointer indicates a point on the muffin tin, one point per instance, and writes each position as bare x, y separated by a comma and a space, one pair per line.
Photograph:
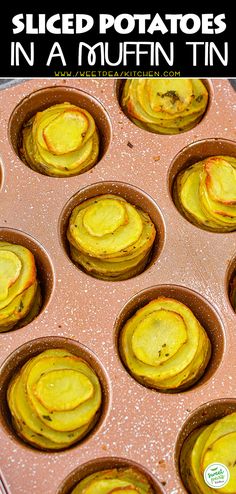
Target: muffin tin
137, 426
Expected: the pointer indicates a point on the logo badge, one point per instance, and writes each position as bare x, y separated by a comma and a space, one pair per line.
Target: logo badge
216, 475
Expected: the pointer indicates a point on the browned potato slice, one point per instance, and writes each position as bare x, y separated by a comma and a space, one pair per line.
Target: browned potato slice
60, 141
165, 106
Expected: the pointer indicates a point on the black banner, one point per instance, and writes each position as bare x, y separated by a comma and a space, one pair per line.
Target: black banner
170, 42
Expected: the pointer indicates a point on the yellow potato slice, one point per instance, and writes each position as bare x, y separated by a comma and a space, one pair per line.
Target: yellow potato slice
73, 418
166, 106
10, 268
109, 238
61, 390
27, 422
34, 310
221, 180
60, 141
165, 370
18, 309
197, 478
72, 125
169, 95
161, 327
32, 429
41, 119
185, 461
224, 216
122, 480
27, 275
223, 426
106, 486
205, 193
223, 450
124, 237
104, 217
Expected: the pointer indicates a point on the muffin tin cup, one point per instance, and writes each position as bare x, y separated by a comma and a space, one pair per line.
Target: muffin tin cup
207, 83
200, 307
44, 98
103, 464
198, 151
137, 424
17, 359
131, 194
204, 415
45, 271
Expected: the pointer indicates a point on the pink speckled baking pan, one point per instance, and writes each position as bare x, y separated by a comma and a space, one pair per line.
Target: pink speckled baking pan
137, 424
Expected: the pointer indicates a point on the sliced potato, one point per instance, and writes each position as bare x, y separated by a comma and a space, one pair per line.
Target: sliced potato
54, 399
221, 179
206, 193
60, 141
110, 238
165, 106
116, 480
164, 346
20, 295
213, 443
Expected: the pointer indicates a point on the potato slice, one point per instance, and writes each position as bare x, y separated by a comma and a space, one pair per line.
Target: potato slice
223, 215
18, 309
197, 478
119, 239
42, 119
31, 428
72, 125
144, 242
60, 141
185, 461
171, 363
106, 486
27, 275
168, 95
221, 180
104, 217
166, 106
161, 327
61, 390
197, 189
116, 480
73, 418
28, 422
10, 268
110, 238
223, 450
214, 443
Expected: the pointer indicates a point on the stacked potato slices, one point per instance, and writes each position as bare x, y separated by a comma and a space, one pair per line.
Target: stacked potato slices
110, 238
20, 295
54, 399
116, 480
164, 346
206, 193
164, 106
207, 445
60, 141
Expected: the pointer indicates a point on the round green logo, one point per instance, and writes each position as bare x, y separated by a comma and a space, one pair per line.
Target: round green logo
216, 475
